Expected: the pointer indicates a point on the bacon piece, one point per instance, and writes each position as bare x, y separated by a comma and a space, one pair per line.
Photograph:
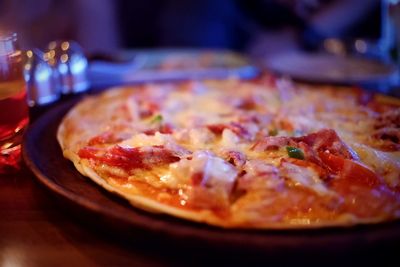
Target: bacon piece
387, 127
257, 118
327, 140
271, 143
130, 158
390, 118
354, 173
145, 113
367, 196
104, 138
165, 128
88, 152
217, 128
150, 132
388, 133
269, 80
197, 178
309, 154
148, 109
235, 127
236, 158
248, 103
286, 125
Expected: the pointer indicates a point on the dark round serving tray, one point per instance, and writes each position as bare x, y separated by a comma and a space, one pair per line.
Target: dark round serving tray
43, 156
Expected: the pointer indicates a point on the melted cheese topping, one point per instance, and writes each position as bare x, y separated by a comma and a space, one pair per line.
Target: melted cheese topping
191, 111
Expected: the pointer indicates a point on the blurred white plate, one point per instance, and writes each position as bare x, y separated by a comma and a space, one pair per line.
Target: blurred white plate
171, 64
327, 68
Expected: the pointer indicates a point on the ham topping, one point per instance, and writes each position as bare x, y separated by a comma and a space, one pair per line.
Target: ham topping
144, 157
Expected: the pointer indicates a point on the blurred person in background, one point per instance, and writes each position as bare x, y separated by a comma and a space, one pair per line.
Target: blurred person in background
257, 26
92, 23
260, 26
305, 24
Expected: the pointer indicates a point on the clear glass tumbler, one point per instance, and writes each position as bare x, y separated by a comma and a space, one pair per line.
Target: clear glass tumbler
13, 106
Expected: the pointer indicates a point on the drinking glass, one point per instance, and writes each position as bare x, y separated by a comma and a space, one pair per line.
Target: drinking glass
13, 105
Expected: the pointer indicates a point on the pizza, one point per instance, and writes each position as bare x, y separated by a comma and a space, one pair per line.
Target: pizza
265, 154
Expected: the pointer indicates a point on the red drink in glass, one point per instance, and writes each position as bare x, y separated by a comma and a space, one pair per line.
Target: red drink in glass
13, 106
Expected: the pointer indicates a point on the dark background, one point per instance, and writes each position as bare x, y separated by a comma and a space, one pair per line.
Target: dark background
106, 25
